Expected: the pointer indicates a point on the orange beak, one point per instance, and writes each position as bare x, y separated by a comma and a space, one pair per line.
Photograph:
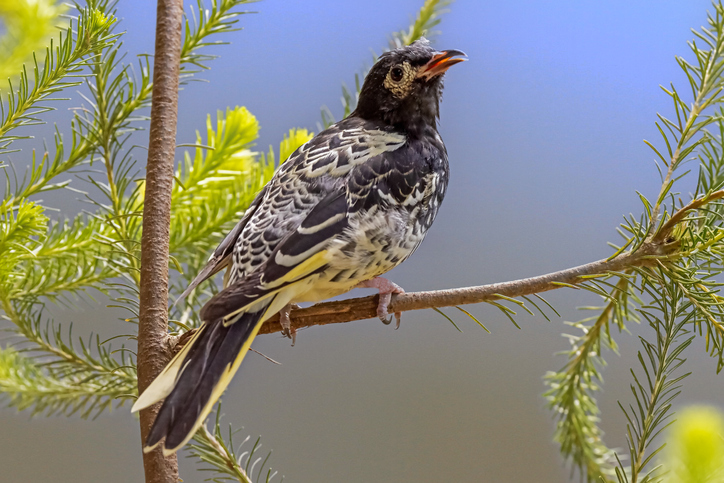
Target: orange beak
440, 62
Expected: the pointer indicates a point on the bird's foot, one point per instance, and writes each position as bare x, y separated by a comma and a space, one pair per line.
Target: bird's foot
386, 289
287, 329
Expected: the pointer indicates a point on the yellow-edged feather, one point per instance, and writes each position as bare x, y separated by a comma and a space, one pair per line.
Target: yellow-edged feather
219, 389
165, 382
309, 265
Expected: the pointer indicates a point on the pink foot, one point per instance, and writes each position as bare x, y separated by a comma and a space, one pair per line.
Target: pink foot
287, 329
386, 289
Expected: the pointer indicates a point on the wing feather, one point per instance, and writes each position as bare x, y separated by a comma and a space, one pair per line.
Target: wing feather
221, 257
299, 211
299, 255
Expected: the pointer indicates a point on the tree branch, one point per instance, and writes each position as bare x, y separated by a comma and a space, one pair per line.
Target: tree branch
153, 353
657, 248
366, 307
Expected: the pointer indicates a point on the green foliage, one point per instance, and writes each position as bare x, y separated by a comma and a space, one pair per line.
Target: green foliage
656, 386
28, 27
680, 245
221, 17
77, 49
292, 140
571, 389
215, 185
33, 386
19, 226
427, 18
222, 458
695, 447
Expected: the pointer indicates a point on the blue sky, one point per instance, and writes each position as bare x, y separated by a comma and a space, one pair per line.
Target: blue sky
544, 128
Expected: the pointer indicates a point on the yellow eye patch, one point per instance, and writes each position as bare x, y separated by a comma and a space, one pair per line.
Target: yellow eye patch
400, 85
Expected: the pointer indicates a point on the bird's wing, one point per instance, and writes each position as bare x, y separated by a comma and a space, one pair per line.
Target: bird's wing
300, 254
221, 257
306, 207
331, 154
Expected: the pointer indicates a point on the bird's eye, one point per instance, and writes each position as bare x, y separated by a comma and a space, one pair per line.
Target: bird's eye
396, 73
399, 80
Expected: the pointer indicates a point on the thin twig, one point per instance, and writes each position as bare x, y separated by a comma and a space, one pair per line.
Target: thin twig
679, 216
223, 454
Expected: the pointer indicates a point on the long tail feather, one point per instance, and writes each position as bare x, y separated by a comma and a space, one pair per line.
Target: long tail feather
164, 382
195, 379
205, 372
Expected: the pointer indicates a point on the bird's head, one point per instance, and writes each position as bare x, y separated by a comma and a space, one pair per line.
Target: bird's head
404, 87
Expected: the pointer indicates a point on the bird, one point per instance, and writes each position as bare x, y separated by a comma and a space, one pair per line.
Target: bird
349, 205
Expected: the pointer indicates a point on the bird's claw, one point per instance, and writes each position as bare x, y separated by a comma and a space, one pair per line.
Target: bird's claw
290, 334
287, 330
382, 313
386, 289
397, 316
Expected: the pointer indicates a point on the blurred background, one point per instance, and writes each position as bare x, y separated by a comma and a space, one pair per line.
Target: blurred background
544, 128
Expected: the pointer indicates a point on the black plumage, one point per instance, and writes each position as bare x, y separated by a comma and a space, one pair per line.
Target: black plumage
346, 207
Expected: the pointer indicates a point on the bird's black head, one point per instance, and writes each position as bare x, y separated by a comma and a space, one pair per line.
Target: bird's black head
403, 89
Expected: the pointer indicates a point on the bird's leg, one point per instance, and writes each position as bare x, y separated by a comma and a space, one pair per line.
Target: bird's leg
287, 329
386, 289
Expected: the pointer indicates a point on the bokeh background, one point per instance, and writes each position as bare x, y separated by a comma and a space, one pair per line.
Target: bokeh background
544, 128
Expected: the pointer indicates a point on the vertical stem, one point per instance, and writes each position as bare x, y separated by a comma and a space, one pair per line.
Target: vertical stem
153, 353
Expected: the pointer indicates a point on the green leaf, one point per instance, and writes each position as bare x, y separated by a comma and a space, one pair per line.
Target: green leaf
75, 50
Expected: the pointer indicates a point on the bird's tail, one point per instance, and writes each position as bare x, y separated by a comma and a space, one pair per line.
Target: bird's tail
196, 378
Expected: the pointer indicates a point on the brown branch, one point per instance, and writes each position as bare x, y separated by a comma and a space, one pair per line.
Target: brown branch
366, 307
153, 353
